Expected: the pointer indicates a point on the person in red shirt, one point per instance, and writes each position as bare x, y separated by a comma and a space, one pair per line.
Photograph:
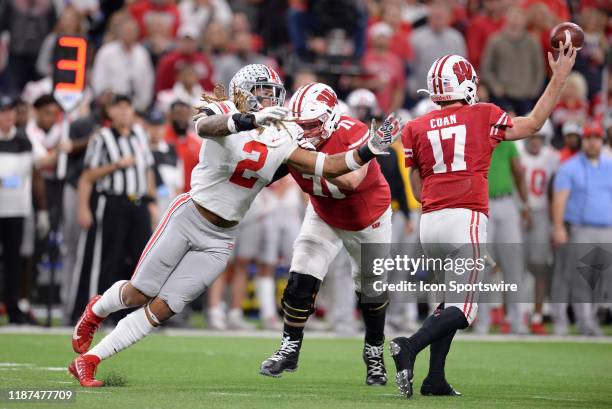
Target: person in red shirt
346, 211
179, 134
449, 151
482, 27
385, 74
186, 52
141, 9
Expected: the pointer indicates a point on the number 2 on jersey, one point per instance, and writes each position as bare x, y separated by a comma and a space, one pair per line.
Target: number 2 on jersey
436, 136
238, 177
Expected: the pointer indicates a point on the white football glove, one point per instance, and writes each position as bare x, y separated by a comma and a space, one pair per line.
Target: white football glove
385, 135
269, 115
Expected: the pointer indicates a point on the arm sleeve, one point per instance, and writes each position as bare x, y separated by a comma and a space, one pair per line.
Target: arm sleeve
409, 157
563, 179
95, 151
498, 121
220, 108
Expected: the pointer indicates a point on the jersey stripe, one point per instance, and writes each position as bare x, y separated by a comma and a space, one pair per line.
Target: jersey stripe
433, 74
360, 141
160, 228
297, 103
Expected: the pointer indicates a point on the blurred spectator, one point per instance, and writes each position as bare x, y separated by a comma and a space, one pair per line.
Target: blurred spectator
384, 70
116, 204
540, 20
124, 67
413, 11
216, 40
572, 134
581, 214
186, 52
281, 225
167, 166
482, 27
504, 232
400, 42
590, 60
242, 54
327, 27
28, 23
18, 178
45, 128
180, 134
301, 77
186, 89
432, 41
540, 162
573, 104
512, 65
560, 8
22, 111
69, 23
141, 10
159, 39
200, 13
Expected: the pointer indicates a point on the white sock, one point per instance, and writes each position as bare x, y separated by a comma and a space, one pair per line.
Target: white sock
131, 329
111, 300
264, 289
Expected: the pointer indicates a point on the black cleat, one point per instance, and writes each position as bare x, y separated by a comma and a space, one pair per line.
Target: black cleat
285, 359
376, 374
404, 363
438, 388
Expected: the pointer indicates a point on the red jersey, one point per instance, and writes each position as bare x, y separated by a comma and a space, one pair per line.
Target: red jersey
452, 150
188, 150
352, 210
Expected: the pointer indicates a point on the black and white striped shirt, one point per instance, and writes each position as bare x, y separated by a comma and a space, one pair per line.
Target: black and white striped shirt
107, 147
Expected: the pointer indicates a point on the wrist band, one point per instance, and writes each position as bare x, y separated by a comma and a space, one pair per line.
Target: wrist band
351, 163
231, 125
244, 122
365, 153
319, 164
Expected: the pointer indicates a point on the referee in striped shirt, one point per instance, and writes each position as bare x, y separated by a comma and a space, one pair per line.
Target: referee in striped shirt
116, 205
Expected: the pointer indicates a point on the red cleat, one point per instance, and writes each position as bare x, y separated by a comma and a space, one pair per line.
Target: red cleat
83, 368
538, 329
85, 328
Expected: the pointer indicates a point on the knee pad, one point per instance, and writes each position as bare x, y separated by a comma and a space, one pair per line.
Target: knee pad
469, 310
299, 297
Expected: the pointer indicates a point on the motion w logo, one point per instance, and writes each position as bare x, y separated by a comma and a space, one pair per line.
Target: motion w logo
328, 98
463, 71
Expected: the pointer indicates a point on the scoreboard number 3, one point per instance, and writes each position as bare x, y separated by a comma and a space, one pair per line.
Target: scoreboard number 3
76, 65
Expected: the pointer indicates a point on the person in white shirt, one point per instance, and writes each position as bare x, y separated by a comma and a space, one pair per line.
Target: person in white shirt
540, 161
124, 67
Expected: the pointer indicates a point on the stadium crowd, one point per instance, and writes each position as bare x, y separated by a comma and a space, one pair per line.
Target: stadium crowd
149, 61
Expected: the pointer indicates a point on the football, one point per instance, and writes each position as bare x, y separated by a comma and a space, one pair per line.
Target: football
565, 32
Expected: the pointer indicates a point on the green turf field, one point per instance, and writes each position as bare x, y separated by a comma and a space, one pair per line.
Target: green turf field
215, 372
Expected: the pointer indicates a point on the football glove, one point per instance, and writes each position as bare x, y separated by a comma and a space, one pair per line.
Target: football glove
381, 138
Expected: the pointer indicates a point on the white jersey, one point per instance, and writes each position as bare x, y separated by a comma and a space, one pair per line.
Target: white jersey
539, 170
233, 169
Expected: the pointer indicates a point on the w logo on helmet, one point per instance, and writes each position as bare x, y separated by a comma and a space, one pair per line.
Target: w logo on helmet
463, 70
328, 98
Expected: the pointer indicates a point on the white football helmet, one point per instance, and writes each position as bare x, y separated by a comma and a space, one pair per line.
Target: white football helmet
315, 108
452, 78
258, 76
363, 104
